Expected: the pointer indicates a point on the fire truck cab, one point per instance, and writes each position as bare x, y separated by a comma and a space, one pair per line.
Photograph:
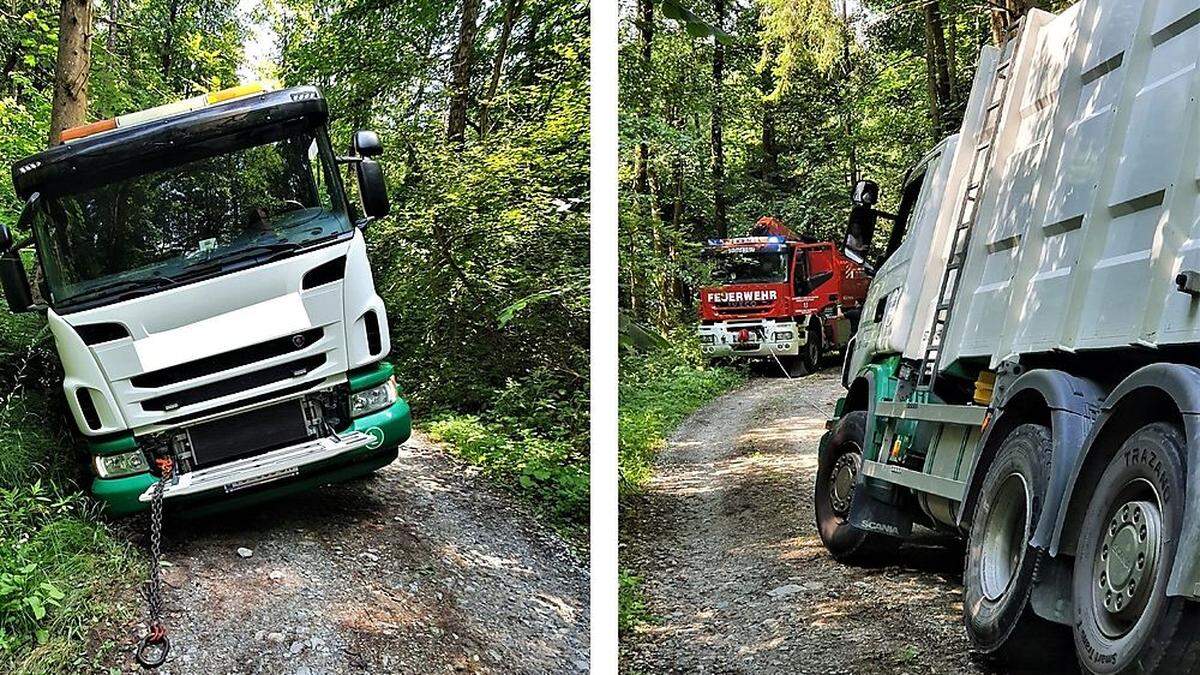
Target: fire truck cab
779, 296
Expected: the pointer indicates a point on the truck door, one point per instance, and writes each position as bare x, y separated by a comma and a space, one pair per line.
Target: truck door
800, 285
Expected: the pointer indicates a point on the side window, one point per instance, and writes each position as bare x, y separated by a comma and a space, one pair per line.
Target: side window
800, 285
910, 205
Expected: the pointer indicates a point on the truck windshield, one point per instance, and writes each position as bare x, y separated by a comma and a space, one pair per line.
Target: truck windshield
199, 218
752, 267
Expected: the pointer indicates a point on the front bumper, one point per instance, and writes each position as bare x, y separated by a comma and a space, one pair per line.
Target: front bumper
723, 338
369, 443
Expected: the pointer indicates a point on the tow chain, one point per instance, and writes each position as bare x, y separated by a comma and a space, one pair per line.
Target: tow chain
153, 648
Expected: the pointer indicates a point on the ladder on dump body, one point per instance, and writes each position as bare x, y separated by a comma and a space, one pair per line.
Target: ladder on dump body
969, 209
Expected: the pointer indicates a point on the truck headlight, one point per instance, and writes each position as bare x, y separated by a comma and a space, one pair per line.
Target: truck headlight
707, 339
375, 398
785, 335
124, 464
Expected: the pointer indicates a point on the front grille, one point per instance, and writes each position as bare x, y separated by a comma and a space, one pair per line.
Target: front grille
227, 360
748, 310
249, 433
233, 385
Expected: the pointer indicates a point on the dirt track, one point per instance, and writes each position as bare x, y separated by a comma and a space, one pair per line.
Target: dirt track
735, 577
423, 568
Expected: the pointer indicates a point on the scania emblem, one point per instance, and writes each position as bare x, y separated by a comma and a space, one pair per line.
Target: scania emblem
298, 340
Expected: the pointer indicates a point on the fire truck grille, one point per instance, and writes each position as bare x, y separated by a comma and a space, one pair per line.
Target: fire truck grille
233, 385
753, 309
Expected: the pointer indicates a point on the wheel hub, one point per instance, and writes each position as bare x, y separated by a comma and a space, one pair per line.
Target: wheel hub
841, 482
1129, 558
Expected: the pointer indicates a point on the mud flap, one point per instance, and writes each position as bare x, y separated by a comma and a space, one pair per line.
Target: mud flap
871, 514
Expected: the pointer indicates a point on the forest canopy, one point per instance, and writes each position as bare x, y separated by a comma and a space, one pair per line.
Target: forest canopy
738, 109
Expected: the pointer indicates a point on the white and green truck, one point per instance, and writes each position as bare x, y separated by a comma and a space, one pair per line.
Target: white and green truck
1026, 373
205, 278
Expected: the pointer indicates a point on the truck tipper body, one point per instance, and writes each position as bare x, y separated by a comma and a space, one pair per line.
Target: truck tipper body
1026, 372
780, 296
206, 281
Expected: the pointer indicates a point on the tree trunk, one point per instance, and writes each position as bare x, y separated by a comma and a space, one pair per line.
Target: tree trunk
114, 22
646, 25
718, 143
511, 7
69, 107
166, 57
846, 95
460, 80
770, 145
945, 104
937, 77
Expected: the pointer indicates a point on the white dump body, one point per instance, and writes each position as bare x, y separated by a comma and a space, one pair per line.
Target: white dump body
1090, 206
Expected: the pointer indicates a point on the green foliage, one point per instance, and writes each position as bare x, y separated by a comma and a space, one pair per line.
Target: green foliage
657, 391
810, 100
483, 265
552, 473
631, 604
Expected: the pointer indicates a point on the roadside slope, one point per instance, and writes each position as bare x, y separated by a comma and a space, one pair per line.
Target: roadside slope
735, 577
425, 567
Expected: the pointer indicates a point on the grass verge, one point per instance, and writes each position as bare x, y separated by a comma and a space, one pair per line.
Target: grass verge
658, 390
552, 474
65, 577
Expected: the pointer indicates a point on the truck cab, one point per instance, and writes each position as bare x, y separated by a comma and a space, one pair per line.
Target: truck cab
205, 277
907, 267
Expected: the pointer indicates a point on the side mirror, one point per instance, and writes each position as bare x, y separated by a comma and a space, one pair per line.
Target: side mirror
859, 232
866, 193
366, 144
372, 188
15, 282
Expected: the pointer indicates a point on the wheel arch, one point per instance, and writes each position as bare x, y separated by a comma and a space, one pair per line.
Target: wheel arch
1067, 405
1160, 392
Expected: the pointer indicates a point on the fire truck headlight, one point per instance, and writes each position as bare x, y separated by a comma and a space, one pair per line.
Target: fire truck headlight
785, 335
375, 398
124, 464
707, 339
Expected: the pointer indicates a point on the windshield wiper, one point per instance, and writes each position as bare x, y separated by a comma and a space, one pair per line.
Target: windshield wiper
138, 284
258, 253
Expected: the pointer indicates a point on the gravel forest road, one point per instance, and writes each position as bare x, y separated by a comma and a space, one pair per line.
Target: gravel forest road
424, 567
735, 577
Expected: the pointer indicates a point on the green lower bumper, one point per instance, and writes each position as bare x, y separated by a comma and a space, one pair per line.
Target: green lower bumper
388, 428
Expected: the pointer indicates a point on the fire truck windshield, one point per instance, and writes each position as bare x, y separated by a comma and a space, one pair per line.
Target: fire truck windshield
750, 267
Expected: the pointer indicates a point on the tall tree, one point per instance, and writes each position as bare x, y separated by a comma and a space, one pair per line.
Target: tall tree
646, 36
72, 68
511, 9
460, 69
720, 224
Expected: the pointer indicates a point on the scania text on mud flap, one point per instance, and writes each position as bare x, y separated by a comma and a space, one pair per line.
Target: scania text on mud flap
1025, 375
780, 296
206, 281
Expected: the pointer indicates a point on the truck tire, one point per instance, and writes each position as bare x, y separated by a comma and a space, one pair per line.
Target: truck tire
837, 474
810, 354
1124, 622
999, 568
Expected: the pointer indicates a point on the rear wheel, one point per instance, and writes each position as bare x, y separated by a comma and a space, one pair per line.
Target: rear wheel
837, 476
1124, 621
998, 574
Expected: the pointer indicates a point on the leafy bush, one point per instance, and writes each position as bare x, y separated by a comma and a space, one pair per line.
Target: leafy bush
60, 572
657, 391
552, 473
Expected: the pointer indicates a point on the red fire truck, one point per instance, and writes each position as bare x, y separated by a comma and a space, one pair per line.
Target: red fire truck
780, 296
